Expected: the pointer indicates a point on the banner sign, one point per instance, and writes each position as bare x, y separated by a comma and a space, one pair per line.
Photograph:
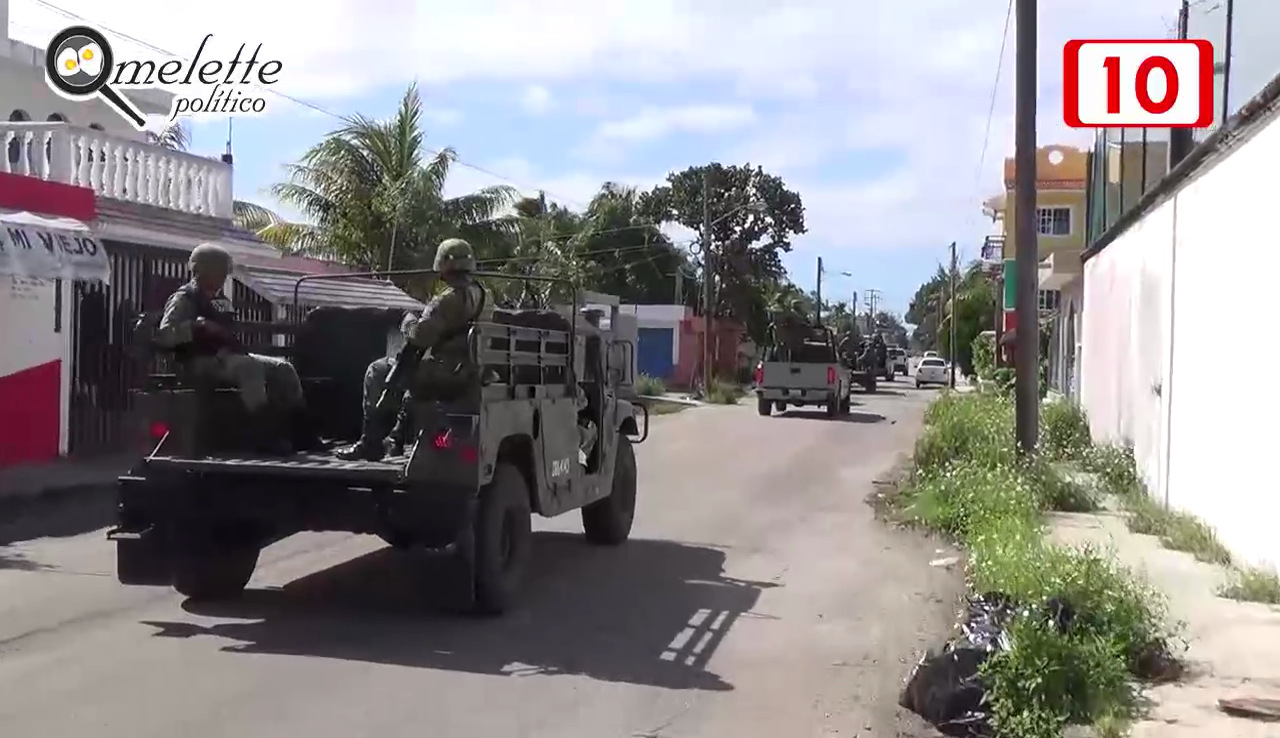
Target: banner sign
51, 248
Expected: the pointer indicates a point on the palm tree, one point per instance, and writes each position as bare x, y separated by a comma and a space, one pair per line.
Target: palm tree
174, 136
374, 200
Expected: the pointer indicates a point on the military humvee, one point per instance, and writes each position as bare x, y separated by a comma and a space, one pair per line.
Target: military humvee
196, 511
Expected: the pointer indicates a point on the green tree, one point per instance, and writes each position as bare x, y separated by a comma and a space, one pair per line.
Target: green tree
754, 217
635, 260
373, 198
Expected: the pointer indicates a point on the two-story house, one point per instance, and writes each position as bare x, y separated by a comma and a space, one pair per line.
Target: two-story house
77, 170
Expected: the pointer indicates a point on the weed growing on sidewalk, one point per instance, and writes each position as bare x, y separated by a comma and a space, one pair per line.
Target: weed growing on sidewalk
1253, 585
1178, 531
969, 482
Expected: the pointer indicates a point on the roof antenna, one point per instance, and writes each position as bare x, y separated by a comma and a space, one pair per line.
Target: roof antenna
226, 156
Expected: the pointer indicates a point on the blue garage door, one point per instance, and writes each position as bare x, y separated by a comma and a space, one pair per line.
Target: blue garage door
653, 355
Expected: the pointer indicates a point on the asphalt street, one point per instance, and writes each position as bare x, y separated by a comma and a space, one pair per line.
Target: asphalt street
757, 597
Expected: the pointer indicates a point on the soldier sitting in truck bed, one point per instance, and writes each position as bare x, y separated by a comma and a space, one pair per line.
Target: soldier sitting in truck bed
441, 332
198, 326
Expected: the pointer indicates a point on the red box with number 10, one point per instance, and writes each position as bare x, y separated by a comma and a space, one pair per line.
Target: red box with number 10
1158, 83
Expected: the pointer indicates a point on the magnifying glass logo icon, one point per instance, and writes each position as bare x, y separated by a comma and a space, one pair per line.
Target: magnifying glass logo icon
78, 63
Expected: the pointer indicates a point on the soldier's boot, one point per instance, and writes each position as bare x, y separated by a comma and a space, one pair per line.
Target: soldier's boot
371, 446
365, 449
398, 438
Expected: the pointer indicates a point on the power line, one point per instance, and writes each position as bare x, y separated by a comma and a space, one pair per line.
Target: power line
296, 100
991, 106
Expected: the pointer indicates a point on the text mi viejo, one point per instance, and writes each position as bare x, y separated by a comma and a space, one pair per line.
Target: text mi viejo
28, 238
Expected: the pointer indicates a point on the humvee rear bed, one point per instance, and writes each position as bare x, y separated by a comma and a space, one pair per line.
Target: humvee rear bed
321, 464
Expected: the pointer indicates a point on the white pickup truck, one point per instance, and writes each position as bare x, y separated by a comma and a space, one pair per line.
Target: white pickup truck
812, 376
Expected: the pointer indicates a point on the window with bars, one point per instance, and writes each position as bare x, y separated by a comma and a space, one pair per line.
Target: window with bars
1053, 221
1049, 300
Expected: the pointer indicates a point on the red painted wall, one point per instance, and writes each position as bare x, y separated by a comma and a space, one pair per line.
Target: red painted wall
31, 414
726, 336
47, 198
31, 396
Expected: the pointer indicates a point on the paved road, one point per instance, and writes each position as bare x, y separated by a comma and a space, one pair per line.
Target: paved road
757, 598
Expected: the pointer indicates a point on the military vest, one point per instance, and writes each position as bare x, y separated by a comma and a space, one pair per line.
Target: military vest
217, 310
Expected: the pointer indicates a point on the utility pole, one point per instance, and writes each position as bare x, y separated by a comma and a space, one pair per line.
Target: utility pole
873, 297
953, 316
1181, 140
819, 292
707, 271
1027, 346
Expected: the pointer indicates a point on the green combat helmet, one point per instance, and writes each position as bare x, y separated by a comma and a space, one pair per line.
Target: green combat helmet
209, 258
454, 255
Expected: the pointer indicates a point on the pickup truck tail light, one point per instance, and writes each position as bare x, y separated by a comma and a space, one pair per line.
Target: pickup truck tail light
158, 430
831, 375
760, 373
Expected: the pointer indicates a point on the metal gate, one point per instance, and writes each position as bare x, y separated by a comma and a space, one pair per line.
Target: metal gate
102, 374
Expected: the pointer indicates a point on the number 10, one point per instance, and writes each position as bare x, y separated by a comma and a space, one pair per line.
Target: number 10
1142, 82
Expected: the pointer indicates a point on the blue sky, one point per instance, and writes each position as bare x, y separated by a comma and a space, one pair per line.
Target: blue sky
875, 115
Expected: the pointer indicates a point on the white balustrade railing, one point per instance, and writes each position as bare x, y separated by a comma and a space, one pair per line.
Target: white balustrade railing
116, 167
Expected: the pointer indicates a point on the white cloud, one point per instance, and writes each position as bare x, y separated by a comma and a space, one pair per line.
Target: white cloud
536, 100
653, 122
859, 75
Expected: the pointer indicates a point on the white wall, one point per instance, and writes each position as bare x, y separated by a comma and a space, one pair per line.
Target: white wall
1159, 300
23, 87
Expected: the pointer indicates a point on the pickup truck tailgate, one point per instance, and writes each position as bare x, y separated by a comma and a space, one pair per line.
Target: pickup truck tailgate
783, 375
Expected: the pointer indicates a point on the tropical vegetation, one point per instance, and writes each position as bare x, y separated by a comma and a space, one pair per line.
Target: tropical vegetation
370, 194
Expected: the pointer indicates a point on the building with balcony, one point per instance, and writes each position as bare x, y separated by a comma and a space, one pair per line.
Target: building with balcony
1062, 218
127, 214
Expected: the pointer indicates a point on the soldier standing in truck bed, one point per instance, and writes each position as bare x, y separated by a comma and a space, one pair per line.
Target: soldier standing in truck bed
198, 327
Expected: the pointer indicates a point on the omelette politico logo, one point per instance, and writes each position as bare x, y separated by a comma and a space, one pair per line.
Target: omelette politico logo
81, 65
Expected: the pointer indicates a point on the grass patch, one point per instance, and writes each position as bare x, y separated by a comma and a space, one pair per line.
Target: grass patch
1251, 584
725, 393
652, 386
667, 408
969, 482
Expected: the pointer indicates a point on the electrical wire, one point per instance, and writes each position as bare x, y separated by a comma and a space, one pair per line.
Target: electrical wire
296, 100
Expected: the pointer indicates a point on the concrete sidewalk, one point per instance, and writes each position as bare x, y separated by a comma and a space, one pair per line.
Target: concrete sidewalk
1233, 648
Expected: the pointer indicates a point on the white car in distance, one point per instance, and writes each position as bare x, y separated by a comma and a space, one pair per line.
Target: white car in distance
932, 370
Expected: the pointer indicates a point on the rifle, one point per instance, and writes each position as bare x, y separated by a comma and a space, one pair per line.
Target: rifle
406, 360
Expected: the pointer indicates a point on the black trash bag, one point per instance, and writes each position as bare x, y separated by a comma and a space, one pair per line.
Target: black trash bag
945, 688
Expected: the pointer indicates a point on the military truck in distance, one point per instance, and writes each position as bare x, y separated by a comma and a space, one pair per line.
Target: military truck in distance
803, 370
198, 508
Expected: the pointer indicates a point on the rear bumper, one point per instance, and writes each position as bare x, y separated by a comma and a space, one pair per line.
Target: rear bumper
158, 504
795, 396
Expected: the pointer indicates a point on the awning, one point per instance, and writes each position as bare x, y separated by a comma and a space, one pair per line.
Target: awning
276, 286
47, 247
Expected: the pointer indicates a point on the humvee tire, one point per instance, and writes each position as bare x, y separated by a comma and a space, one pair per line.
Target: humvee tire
607, 522
763, 406
503, 532
870, 385
214, 573
846, 406
833, 408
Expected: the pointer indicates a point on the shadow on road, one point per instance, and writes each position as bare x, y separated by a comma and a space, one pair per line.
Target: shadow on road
890, 392
649, 612
852, 417
55, 515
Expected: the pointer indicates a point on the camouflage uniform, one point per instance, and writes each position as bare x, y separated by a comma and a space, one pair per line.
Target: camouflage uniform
445, 368
375, 381
196, 326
